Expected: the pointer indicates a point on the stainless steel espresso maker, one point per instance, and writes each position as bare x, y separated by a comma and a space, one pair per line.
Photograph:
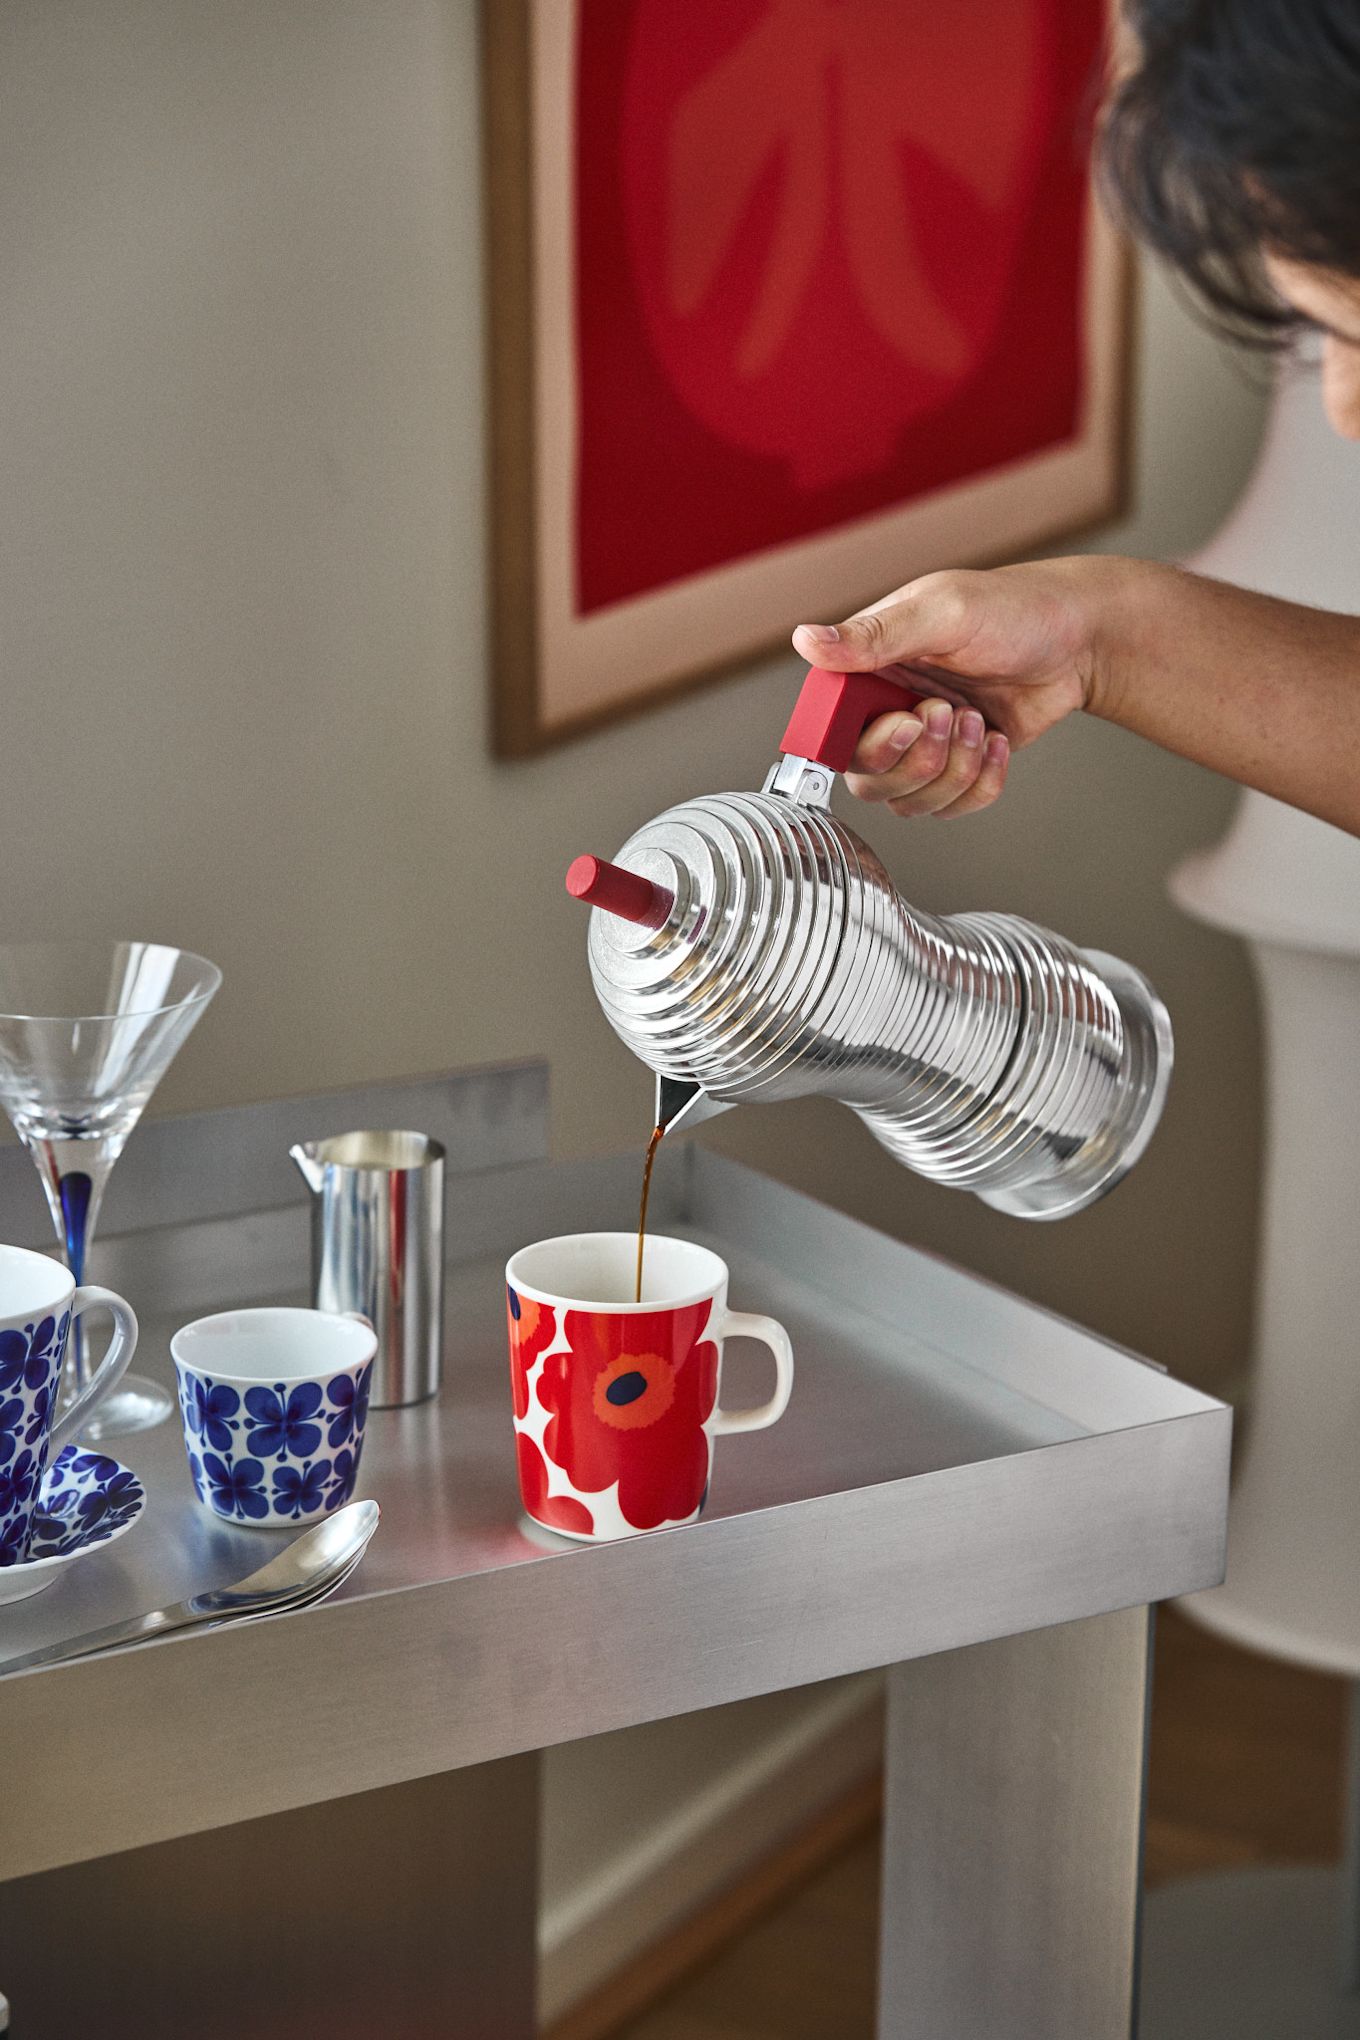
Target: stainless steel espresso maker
749, 947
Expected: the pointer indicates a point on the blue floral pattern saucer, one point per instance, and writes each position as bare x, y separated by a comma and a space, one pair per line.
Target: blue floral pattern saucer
86, 1501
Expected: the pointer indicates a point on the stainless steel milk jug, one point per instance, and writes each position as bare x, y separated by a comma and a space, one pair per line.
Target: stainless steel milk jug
378, 1249
749, 946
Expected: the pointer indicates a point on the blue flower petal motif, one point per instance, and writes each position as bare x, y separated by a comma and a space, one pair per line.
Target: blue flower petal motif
279, 1422
343, 1472
109, 1497
97, 1465
12, 1415
18, 1483
349, 1397
236, 1490
37, 1424
193, 1397
115, 1519
42, 1353
13, 1354
300, 1490
56, 1349
209, 1411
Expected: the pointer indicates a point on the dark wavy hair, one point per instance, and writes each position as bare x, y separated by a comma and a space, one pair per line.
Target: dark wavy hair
1237, 129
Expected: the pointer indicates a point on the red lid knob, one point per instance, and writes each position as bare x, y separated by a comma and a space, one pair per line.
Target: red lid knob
626, 893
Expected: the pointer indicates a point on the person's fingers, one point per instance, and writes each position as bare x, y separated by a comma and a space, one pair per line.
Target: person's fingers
884, 741
996, 758
939, 761
923, 761
928, 619
962, 766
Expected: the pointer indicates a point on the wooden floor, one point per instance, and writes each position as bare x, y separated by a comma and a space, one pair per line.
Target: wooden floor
1246, 1768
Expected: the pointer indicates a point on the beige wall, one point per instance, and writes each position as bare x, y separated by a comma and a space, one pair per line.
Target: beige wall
242, 620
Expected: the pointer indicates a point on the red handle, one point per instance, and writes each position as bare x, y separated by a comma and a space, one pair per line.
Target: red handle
626, 893
833, 711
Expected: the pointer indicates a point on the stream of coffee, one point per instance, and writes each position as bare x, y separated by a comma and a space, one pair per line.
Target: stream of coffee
652, 1146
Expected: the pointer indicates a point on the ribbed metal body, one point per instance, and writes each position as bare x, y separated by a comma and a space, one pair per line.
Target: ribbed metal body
981, 1050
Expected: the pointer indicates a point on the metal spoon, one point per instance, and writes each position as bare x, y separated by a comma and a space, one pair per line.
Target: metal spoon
306, 1570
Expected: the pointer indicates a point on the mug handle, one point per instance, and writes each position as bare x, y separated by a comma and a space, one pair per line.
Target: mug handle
111, 1368
740, 1324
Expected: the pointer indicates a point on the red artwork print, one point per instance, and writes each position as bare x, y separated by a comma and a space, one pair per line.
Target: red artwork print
559, 1512
629, 1404
532, 1327
830, 257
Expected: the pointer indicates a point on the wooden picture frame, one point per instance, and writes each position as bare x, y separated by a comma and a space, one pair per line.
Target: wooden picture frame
589, 487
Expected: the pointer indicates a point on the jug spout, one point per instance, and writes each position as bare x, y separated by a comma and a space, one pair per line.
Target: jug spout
304, 1154
681, 1103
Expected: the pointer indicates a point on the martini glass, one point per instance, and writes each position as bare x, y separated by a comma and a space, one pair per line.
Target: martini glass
87, 1031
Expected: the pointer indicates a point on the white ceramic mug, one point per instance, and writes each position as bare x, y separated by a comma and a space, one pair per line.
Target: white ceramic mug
274, 1404
615, 1401
38, 1302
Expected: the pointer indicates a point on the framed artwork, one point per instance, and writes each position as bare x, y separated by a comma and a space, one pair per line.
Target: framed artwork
790, 302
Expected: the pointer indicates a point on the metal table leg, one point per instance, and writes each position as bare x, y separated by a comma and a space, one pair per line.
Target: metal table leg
1012, 1836
401, 1913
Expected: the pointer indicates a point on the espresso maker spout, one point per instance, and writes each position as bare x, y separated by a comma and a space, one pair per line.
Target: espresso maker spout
749, 947
681, 1104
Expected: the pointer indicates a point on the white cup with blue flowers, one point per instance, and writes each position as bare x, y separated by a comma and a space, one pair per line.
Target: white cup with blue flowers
274, 1403
39, 1302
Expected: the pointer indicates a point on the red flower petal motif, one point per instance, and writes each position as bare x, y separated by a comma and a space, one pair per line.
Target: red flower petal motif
532, 1327
560, 1512
629, 1403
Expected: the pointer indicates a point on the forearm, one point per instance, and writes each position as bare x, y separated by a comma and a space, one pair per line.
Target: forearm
1263, 691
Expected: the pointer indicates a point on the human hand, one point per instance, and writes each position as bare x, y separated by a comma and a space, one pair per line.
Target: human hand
998, 657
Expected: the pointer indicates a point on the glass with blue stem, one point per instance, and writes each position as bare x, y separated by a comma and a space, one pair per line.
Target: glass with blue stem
87, 1031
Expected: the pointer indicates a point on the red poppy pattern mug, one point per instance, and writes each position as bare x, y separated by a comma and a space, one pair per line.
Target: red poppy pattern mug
616, 1402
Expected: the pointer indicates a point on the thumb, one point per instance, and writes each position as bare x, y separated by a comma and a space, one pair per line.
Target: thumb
921, 621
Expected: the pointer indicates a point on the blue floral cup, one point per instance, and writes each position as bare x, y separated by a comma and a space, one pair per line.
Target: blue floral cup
274, 1404
38, 1302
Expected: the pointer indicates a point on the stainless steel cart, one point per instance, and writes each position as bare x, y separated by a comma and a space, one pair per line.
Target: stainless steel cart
325, 1823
